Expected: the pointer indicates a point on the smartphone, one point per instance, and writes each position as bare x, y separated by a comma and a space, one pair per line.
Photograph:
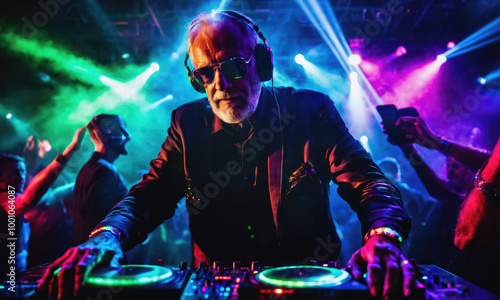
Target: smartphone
390, 114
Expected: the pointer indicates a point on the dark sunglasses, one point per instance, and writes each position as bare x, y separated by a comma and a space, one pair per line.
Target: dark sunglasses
233, 68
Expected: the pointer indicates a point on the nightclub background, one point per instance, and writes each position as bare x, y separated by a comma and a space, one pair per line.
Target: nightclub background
64, 61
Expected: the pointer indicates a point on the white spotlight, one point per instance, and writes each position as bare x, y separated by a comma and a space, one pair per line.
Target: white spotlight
300, 59
154, 67
353, 76
481, 80
8, 116
363, 139
441, 58
354, 59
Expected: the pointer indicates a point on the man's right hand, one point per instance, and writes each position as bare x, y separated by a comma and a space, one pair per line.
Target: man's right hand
77, 263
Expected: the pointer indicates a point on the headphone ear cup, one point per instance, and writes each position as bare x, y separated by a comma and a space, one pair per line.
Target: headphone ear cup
264, 60
196, 85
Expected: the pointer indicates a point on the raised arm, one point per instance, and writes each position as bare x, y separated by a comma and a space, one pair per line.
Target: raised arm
479, 223
419, 132
43, 180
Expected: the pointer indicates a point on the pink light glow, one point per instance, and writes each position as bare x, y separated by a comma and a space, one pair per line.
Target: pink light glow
371, 69
400, 51
450, 45
416, 85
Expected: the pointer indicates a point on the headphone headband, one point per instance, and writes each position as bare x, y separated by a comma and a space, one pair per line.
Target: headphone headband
262, 53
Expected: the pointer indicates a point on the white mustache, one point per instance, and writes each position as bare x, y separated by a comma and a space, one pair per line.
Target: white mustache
221, 95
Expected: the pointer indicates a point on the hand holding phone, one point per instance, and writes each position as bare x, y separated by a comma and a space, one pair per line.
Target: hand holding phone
396, 132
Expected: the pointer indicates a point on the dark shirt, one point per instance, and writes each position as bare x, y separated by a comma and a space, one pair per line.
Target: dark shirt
231, 183
98, 188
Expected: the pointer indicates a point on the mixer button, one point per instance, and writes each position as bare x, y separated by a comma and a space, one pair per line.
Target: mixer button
203, 264
236, 264
215, 265
254, 266
184, 265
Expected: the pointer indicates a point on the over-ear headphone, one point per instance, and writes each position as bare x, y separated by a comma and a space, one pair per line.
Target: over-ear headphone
262, 53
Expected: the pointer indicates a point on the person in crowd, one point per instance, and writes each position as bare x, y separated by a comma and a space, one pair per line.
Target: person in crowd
478, 223
461, 161
478, 228
99, 186
16, 200
51, 227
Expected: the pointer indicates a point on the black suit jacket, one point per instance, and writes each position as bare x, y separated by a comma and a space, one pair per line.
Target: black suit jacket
296, 163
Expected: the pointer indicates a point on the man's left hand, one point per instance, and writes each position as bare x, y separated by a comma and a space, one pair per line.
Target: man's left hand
386, 264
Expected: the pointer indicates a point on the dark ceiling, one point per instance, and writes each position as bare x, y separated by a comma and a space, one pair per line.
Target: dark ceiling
105, 29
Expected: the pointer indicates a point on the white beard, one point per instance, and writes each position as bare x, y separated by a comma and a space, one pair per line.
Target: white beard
236, 112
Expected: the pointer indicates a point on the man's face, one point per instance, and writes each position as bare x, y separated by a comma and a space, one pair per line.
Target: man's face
117, 140
13, 174
459, 177
112, 131
232, 100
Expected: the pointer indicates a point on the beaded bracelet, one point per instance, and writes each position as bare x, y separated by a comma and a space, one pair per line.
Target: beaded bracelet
383, 231
111, 229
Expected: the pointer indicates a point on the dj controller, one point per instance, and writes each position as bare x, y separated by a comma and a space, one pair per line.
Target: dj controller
240, 282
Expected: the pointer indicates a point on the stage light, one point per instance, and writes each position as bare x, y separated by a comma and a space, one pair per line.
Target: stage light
363, 139
353, 76
481, 80
156, 103
8, 116
441, 58
175, 56
486, 35
125, 55
45, 145
154, 67
450, 45
400, 51
300, 59
354, 59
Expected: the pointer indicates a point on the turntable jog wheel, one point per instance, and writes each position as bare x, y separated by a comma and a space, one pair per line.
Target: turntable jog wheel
128, 275
303, 276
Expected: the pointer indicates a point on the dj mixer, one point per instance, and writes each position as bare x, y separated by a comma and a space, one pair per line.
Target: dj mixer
241, 282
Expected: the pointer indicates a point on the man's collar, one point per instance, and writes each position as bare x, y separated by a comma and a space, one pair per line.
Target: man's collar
216, 124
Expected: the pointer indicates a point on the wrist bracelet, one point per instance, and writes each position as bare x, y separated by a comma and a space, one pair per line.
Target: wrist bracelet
444, 146
383, 231
63, 160
111, 229
486, 188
